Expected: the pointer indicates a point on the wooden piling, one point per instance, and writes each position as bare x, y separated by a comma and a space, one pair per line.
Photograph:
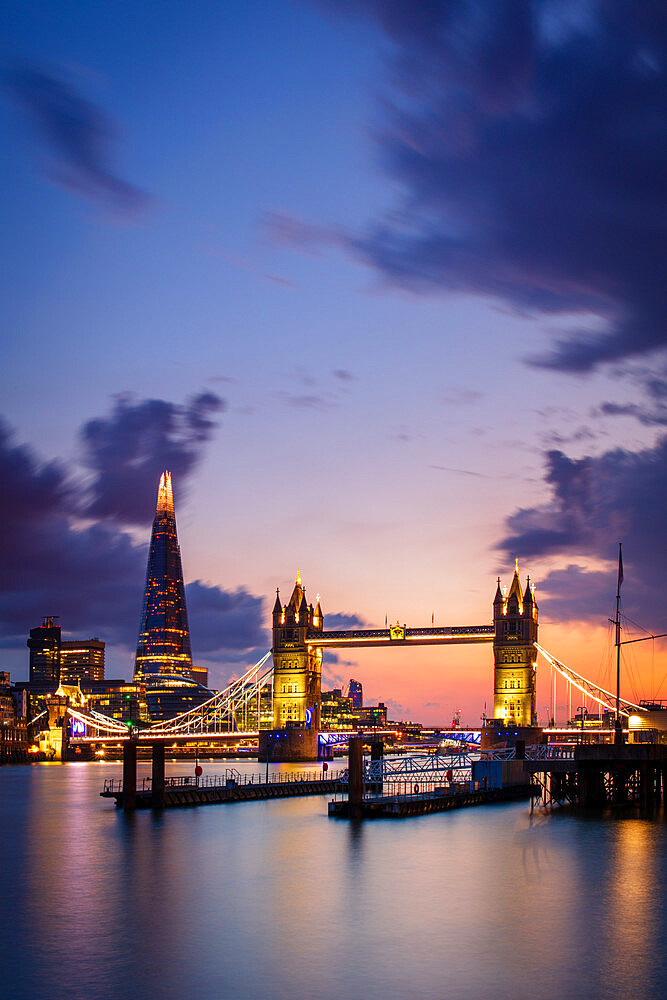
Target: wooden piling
355, 784
129, 775
157, 780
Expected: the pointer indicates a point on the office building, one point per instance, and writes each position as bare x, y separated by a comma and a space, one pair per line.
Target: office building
81, 660
44, 646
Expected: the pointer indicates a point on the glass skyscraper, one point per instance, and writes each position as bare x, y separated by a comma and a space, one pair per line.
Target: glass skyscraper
163, 646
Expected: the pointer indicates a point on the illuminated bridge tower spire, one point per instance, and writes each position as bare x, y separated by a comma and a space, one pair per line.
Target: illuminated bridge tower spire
515, 622
163, 646
297, 665
297, 672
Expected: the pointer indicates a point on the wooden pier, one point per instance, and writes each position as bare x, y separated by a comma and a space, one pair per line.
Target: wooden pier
189, 791
439, 800
596, 776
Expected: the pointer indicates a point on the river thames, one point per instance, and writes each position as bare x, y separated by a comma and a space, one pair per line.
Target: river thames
274, 901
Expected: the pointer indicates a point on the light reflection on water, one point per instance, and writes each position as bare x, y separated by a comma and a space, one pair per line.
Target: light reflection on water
274, 900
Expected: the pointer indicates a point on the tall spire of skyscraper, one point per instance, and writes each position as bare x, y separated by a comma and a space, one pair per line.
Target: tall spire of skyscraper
165, 495
163, 646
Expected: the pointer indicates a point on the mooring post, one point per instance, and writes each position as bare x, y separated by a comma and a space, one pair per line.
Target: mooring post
355, 783
157, 777
129, 775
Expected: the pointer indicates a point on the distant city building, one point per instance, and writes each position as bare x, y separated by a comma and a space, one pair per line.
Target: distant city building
355, 693
14, 739
7, 706
81, 660
163, 646
44, 646
337, 711
122, 700
372, 715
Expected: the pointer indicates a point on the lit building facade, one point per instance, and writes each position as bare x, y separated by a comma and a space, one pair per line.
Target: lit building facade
81, 660
355, 693
163, 646
337, 711
119, 699
515, 622
44, 645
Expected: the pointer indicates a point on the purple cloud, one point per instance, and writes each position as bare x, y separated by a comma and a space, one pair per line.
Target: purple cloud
127, 451
78, 135
529, 143
93, 576
225, 622
595, 502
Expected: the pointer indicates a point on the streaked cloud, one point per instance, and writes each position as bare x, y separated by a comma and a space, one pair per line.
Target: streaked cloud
527, 141
595, 502
127, 450
78, 136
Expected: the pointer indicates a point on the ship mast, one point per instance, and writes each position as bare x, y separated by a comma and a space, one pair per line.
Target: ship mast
618, 728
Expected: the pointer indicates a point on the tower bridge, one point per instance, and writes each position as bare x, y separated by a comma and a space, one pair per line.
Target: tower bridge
299, 638
293, 669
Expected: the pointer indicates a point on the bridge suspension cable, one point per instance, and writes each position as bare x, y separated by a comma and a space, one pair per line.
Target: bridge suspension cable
588, 688
220, 713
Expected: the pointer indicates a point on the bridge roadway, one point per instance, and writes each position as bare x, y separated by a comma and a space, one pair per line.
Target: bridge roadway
145, 737
445, 635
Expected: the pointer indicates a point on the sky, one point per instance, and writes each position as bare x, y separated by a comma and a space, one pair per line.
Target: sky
381, 283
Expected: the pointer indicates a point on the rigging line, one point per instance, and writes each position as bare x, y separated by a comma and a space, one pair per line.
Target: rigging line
606, 655
632, 674
592, 687
627, 618
664, 678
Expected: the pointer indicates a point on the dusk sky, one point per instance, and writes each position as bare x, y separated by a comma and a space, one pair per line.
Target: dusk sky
382, 284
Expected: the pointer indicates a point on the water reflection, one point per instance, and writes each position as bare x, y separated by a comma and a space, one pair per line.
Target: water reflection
274, 900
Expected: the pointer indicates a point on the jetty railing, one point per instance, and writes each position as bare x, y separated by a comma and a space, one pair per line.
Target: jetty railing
231, 779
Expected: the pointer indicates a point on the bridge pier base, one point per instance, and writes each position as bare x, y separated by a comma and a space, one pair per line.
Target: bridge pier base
157, 777
296, 743
129, 775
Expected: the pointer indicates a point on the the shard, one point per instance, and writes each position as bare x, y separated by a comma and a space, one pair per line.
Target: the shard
163, 646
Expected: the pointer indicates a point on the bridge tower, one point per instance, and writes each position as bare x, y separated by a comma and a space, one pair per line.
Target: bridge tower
297, 674
514, 654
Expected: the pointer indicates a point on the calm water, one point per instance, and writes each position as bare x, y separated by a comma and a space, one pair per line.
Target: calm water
273, 900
